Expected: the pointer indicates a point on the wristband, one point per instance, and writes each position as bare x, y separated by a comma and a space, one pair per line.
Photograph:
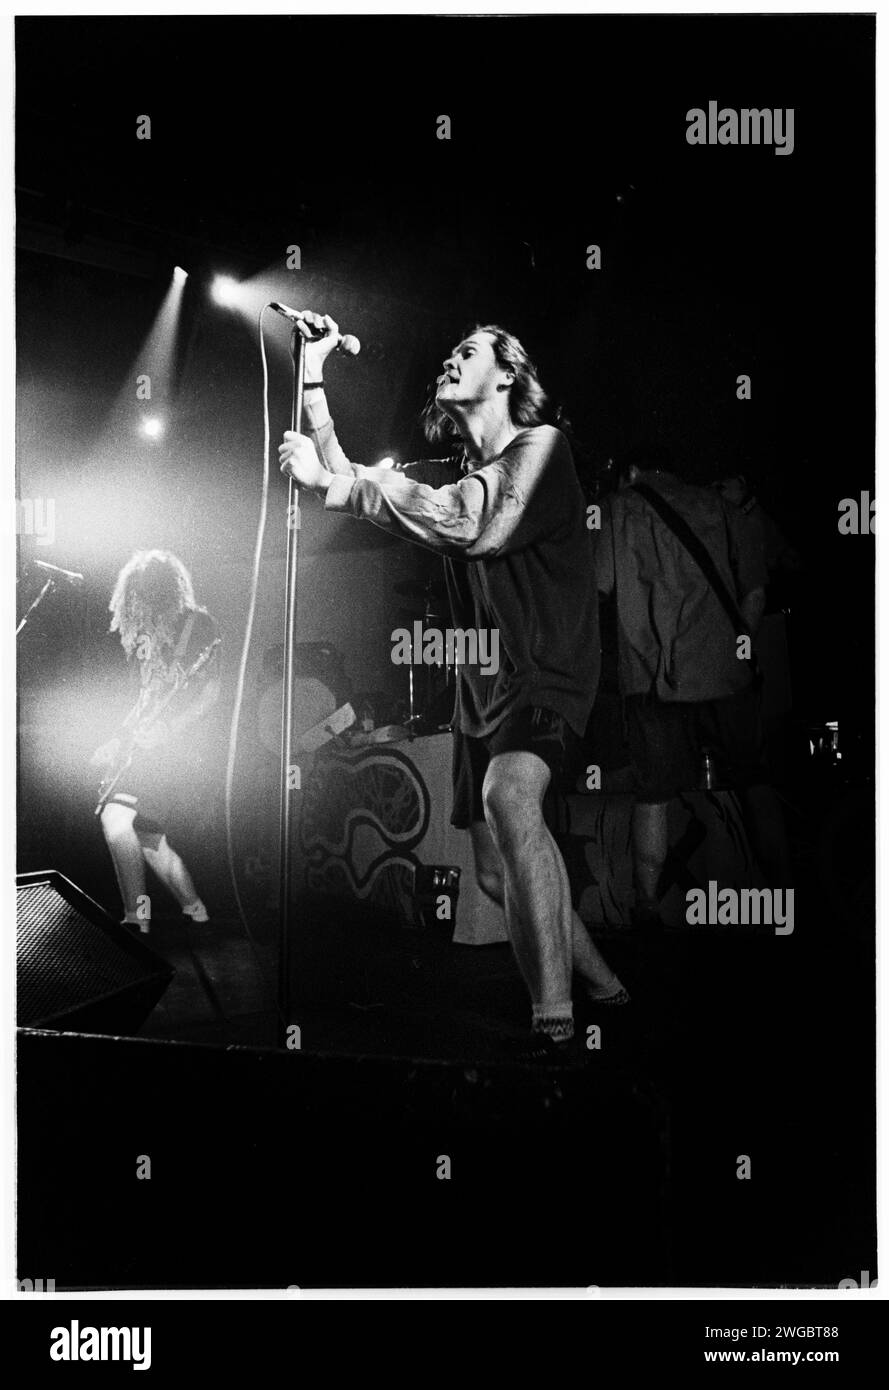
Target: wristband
313, 386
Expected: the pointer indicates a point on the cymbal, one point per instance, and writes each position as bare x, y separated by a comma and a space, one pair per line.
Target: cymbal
416, 588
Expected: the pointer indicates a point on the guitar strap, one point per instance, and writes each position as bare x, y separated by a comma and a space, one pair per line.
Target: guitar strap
701, 555
184, 639
696, 549
177, 662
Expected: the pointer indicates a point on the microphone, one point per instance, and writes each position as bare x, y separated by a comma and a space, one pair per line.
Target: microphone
345, 342
70, 576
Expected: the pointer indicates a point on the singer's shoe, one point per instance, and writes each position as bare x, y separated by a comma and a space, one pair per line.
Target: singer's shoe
540, 1050
140, 924
196, 911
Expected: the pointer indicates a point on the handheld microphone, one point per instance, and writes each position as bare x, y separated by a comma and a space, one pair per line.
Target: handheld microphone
345, 342
70, 576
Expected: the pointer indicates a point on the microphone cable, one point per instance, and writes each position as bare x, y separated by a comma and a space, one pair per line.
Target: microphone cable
242, 670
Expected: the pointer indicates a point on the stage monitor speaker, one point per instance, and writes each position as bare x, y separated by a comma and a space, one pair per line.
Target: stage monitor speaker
77, 969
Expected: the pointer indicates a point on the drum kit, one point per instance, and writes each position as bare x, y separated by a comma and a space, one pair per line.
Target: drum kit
426, 707
431, 686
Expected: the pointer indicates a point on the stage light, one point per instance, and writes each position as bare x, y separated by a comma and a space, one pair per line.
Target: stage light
179, 275
225, 291
153, 426
387, 462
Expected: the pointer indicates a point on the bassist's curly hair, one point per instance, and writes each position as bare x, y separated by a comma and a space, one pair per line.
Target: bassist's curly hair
152, 593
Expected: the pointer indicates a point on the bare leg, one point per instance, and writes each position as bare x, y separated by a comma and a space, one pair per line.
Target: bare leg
537, 916
587, 961
592, 967
650, 846
126, 856
535, 889
170, 869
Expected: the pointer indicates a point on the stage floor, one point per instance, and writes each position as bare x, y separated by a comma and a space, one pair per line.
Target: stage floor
369, 988
737, 1047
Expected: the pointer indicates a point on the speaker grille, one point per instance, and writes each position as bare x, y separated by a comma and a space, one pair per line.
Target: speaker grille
63, 958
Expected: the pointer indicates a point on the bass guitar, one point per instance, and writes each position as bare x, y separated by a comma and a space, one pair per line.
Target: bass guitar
145, 713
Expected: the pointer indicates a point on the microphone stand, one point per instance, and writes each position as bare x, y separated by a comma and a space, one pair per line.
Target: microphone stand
50, 583
298, 355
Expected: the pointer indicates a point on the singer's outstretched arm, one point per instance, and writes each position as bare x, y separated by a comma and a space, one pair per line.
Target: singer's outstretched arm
434, 472
501, 507
320, 426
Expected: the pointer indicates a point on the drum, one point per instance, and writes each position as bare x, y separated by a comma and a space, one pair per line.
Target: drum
312, 702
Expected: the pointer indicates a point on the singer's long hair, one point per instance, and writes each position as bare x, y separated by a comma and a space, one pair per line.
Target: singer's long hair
152, 594
527, 398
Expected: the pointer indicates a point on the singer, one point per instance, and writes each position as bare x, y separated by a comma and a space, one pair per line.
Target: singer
153, 773
507, 515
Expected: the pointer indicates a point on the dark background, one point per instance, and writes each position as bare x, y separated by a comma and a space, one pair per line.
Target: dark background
566, 131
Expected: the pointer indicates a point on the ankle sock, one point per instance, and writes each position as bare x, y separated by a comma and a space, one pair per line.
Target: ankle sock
610, 994
555, 1020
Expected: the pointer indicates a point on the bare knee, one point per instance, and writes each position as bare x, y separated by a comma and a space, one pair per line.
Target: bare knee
117, 824
490, 881
512, 807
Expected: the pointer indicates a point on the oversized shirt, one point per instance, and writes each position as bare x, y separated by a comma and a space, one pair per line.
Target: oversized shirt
518, 560
675, 639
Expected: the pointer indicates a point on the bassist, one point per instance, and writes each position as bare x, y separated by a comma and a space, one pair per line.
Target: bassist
155, 768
